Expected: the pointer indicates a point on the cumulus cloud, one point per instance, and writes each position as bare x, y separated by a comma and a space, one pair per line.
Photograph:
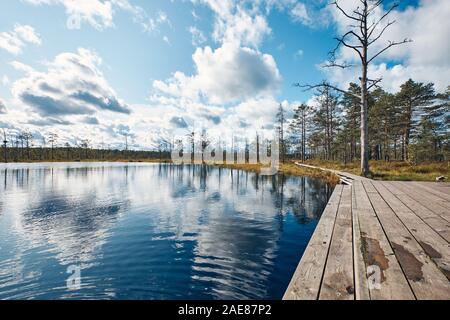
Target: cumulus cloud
100, 13
48, 122
5, 80
198, 38
178, 122
224, 75
235, 24
14, 41
300, 13
72, 85
97, 13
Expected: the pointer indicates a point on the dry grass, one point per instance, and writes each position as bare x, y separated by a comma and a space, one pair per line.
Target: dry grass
289, 169
380, 170
395, 170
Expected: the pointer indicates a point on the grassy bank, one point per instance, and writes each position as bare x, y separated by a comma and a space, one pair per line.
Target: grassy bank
395, 170
289, 169
380, 170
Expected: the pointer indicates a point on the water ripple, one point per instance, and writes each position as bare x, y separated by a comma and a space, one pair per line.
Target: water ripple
144, 231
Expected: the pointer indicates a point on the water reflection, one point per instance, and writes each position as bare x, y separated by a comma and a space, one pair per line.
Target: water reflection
152, 231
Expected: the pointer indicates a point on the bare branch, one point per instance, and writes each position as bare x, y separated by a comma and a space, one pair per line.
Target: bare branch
381, 33
374, 6
373, 27
345, 13
391, 44
374, 83
308, 87
354, 34
355, 48
334, 64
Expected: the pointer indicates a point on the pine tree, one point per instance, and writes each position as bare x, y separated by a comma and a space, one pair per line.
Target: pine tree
413, 98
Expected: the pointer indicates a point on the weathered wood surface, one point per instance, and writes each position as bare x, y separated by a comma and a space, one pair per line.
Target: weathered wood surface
376, 241
346, 178
337, 282
305, 284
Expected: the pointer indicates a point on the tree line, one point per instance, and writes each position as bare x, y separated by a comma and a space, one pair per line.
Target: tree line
410, 125
22, 146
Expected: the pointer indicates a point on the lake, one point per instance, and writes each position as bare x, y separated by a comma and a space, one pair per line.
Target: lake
152, 231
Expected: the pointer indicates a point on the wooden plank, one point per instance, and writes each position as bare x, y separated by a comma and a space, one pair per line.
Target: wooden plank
439, 225
431, 242
337, 281
443, 187
424, 200
425, 279
436, 222
431, 189
347, 176
428, 195
360, 274
305, 284
377, 254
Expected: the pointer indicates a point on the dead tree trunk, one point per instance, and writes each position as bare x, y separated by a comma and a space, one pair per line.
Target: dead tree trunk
365, 29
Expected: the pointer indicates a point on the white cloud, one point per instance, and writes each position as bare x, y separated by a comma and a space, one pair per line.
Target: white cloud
100, 13
72, 85
14, 41
198, 38
300, 14
27, 34
242, 28
227, 74
5, 80
97, 13
234, 23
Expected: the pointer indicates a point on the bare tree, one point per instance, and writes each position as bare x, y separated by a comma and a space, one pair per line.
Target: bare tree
67, 145
5, 145
366, 28
28, 138
84, 144
52, 139
281, 121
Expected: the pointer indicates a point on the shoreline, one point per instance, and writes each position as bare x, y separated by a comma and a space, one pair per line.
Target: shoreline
387, 171
288, 168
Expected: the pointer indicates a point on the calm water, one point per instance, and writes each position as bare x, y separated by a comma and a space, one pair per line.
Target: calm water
150, 231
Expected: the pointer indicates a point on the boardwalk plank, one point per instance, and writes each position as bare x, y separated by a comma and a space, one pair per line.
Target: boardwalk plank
433, 190
377, 253
444, 187
360, 274
422, 197
431, 242
428, 195
337, 282
305, 284
436, 222
424, 277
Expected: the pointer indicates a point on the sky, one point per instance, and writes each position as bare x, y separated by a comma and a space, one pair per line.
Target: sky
105, 69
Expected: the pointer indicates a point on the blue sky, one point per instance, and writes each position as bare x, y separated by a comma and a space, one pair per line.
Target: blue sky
151, 68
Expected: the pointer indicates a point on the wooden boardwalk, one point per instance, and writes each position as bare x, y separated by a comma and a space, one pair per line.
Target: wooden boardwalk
379, 240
